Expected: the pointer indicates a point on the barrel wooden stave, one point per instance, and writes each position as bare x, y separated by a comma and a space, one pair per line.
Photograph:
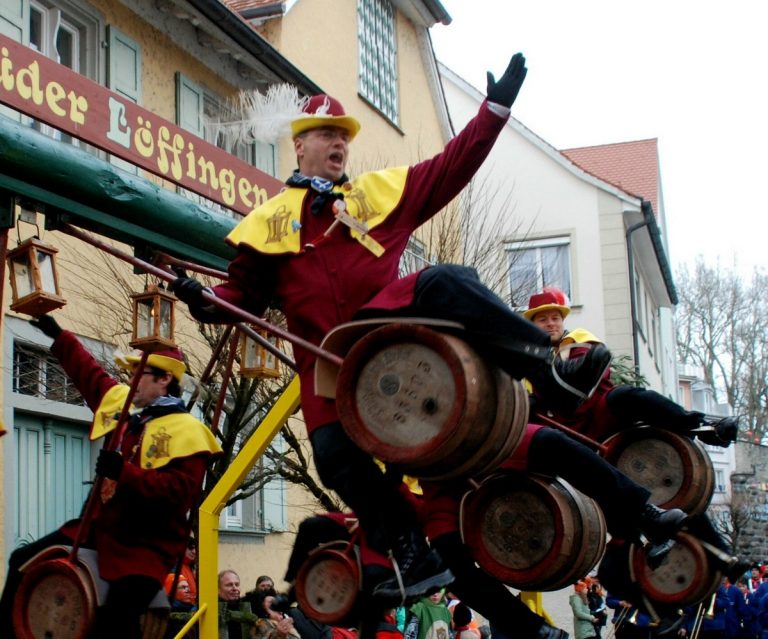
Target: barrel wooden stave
56, 600
532, 532
685, 577
328, 583
504, 436
676, 470
427, 403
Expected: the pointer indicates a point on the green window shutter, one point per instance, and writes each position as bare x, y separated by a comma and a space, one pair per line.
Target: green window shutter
124, 65
189, 105
53, 461
14, 19
14, 23
124, 77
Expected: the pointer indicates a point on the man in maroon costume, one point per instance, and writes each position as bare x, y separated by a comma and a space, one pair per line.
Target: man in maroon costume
613, 408
293, 252
152, 481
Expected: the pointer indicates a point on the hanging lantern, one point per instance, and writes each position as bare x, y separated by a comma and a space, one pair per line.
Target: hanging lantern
255, 359
154, 321
34, 281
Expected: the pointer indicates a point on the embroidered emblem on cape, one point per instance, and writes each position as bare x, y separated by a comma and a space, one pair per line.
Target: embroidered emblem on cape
278, 224
107, 417
108, 488
360, 207
159, 446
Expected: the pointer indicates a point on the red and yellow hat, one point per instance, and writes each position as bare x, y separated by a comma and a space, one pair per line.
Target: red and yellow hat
170, 360
550, 298
323, 110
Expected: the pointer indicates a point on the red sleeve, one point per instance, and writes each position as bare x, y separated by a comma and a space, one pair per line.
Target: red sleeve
250, 286
82, 368
181, 478
434, 183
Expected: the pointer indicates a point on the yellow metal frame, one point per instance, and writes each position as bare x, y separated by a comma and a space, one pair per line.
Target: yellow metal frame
535, 602
208, 614
287, 404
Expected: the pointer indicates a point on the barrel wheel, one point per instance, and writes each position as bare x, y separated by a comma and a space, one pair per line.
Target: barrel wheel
328, 583
413, 397
594, 538
685, 577
676, 470
55, 600
155, 622
520, 529
504, 436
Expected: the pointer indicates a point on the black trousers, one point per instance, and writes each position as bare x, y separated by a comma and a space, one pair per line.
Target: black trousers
553, 453
633, 404
119, 618
455, 293
382, 510
507, 615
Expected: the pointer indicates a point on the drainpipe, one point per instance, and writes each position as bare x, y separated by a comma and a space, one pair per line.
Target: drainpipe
632, 292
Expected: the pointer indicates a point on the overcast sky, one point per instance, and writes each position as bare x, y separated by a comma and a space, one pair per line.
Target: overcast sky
692, 73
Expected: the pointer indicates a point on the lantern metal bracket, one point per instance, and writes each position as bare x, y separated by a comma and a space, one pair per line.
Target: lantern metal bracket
7, 209
27, 211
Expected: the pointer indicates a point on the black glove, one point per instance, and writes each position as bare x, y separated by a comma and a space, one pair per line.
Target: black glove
188, 290
48, 325
505, 90
109, 464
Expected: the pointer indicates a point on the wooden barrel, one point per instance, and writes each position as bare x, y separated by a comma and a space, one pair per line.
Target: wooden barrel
676, 470
594, 537
685, 577
532, 532
427, 403
55, 600
328, 582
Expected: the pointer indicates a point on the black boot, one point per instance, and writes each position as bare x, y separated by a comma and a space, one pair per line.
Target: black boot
568, 382
545, 632
723, 432
660, 527
550, 632
417, 569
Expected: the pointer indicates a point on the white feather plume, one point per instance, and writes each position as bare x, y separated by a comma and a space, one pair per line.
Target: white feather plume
258, 117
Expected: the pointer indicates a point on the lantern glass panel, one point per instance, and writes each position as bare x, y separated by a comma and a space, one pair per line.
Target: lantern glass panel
45, 266
253, 354
165, 318
23, 275
145, 316
270, 361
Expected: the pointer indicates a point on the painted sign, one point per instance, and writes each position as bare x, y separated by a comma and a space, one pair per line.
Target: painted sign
52, 93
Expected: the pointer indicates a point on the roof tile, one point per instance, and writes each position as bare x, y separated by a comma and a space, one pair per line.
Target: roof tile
631, 166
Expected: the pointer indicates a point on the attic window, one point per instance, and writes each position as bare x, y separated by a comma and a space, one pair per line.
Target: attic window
377, 65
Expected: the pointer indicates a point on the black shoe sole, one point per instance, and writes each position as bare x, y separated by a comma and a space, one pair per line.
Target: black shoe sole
390, 590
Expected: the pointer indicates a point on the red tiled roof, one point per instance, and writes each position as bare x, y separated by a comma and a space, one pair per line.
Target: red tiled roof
632, 166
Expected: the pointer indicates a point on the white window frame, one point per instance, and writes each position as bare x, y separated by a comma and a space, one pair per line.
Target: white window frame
539, 245
85, 29
377, 56
233, 515
414, 257
212, 108
720, 486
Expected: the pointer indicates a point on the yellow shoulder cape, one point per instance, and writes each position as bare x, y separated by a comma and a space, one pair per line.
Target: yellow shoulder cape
580, 336
165, 438
275, 226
